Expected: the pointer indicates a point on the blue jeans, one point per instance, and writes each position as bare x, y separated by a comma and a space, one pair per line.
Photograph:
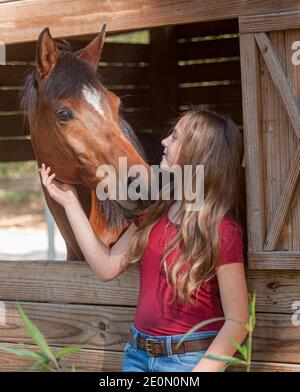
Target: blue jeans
138, 360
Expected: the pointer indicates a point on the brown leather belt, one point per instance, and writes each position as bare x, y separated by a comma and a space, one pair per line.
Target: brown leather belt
158, 347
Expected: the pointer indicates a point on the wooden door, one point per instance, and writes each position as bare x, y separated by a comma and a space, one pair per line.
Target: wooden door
271, 111
271, 119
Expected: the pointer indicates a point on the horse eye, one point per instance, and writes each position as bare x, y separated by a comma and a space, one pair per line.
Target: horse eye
64, 115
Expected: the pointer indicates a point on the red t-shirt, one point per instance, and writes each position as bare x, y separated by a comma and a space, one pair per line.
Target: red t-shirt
154, 316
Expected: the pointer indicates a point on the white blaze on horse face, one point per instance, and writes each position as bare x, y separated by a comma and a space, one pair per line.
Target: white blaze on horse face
93, 97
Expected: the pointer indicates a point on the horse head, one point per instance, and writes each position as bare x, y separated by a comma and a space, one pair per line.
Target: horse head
74, 120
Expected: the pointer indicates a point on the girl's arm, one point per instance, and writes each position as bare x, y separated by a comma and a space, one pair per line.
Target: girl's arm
234, 297
104, 261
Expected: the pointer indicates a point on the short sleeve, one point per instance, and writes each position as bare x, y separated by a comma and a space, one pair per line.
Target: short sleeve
231, 242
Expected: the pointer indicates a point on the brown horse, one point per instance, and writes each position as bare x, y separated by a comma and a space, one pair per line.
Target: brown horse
75, 127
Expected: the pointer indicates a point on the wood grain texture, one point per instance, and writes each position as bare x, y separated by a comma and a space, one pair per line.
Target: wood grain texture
280, 81
274, 260
274, 21
65, 282
106, 328
23, 21
74, 283
102, 361
252, 142
293, 75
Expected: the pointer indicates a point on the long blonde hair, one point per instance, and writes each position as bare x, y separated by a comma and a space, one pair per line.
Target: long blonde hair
209, 139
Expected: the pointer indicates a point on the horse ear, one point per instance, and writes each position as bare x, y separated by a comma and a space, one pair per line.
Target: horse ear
92, 52
46, 54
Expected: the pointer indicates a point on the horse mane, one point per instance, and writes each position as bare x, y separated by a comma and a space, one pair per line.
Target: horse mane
67, 80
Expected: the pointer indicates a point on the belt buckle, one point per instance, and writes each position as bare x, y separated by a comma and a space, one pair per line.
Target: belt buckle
148, 347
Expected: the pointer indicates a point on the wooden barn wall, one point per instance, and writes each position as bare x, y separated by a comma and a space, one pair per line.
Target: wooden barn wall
279, 141
181, 67
65, 299
69, 304
19, 21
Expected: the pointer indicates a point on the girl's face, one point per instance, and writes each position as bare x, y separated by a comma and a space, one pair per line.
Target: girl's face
171, 145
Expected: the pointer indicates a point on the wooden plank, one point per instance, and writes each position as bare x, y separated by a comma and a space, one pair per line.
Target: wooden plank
293, 76
203, 29
16, 150
208, 49
14, 75
284, 204
280, 81
23, 21
107, 328
113, 51
9, 100
98, 327
275, 21
227, 70
277, 290
64, 282
74, 282
279, 328
253, 142
12, 125
274, 260
274, 128
85, 360
231, 93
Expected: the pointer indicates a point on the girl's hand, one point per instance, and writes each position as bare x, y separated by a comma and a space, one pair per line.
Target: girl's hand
64, 194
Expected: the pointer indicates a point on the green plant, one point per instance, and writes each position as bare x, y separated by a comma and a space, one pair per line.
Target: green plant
245, 349
46, 359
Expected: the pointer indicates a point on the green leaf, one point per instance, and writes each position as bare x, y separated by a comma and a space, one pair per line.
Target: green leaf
36, 335
241, 349
41, 365
73, 368
224, 358
27, 354
46, 368
66, 351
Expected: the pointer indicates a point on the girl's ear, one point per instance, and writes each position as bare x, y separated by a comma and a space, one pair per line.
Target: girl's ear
46, 54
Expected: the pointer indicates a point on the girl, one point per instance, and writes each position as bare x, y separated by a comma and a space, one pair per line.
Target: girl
191, 262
